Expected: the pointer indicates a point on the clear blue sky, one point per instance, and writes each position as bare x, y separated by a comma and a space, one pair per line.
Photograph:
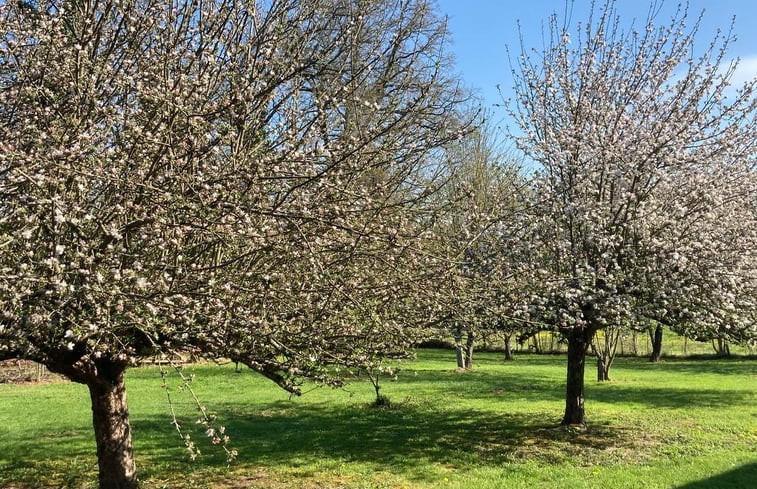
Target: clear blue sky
481, 29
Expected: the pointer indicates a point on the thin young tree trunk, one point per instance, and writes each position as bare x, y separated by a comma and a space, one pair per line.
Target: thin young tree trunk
656, 344
578, 344
599, 354
373, 375
469, 349
110, 417
612, 338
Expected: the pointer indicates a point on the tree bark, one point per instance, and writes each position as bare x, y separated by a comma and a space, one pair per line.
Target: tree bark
656, 344
110, 417
469, 349
721, 349
458, 334
578, 344
603, 370
508, 347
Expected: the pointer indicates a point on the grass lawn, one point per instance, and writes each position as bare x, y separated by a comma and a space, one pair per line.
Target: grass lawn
679, 424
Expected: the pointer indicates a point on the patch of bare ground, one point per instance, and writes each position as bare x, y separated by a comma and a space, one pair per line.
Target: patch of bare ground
26, 372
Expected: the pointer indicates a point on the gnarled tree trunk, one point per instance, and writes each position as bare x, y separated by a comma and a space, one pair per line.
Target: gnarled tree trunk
104, 377
110, 417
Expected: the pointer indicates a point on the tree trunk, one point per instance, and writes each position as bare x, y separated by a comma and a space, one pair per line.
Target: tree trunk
469, 349
578, 344
721, 349
458, 334
656, 344
603, 370
605, 349
634, 344
508, 348
110, 417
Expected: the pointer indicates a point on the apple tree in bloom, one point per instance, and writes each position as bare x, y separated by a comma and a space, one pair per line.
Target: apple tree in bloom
235, 178
472, 239
644, 201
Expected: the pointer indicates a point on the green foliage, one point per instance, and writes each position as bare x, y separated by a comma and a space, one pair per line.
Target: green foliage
680, 423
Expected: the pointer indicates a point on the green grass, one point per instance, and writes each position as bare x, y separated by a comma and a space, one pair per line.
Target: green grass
679, 424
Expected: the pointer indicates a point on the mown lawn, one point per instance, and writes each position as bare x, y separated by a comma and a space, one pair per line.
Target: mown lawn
679, 424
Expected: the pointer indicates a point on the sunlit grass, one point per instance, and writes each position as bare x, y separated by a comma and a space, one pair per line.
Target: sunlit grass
680, 423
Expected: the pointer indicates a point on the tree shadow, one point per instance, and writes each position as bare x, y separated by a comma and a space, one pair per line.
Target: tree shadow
406, 438
504, 386
697, 365
482, 384
738, 478
56, 459
668, 397
413, 437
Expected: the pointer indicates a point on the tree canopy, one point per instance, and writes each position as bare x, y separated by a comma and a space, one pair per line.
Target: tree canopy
644, 200
236, 178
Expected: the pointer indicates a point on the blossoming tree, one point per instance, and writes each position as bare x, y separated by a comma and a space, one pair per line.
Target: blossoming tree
228, 176
471, 239
647, 156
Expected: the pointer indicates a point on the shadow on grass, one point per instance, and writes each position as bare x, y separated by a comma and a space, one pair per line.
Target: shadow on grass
738, 478
484, 385
441, 424
507, 386
62, 460
403, 438
698, 365
407, 438
668, 397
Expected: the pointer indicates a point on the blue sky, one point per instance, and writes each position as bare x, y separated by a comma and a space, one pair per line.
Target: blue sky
481, 29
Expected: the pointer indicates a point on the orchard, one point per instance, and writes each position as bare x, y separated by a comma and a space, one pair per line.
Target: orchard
308, 189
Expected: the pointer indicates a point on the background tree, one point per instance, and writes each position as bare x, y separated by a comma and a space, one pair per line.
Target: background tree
480, 202
655, 337
641, 145
237, 178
